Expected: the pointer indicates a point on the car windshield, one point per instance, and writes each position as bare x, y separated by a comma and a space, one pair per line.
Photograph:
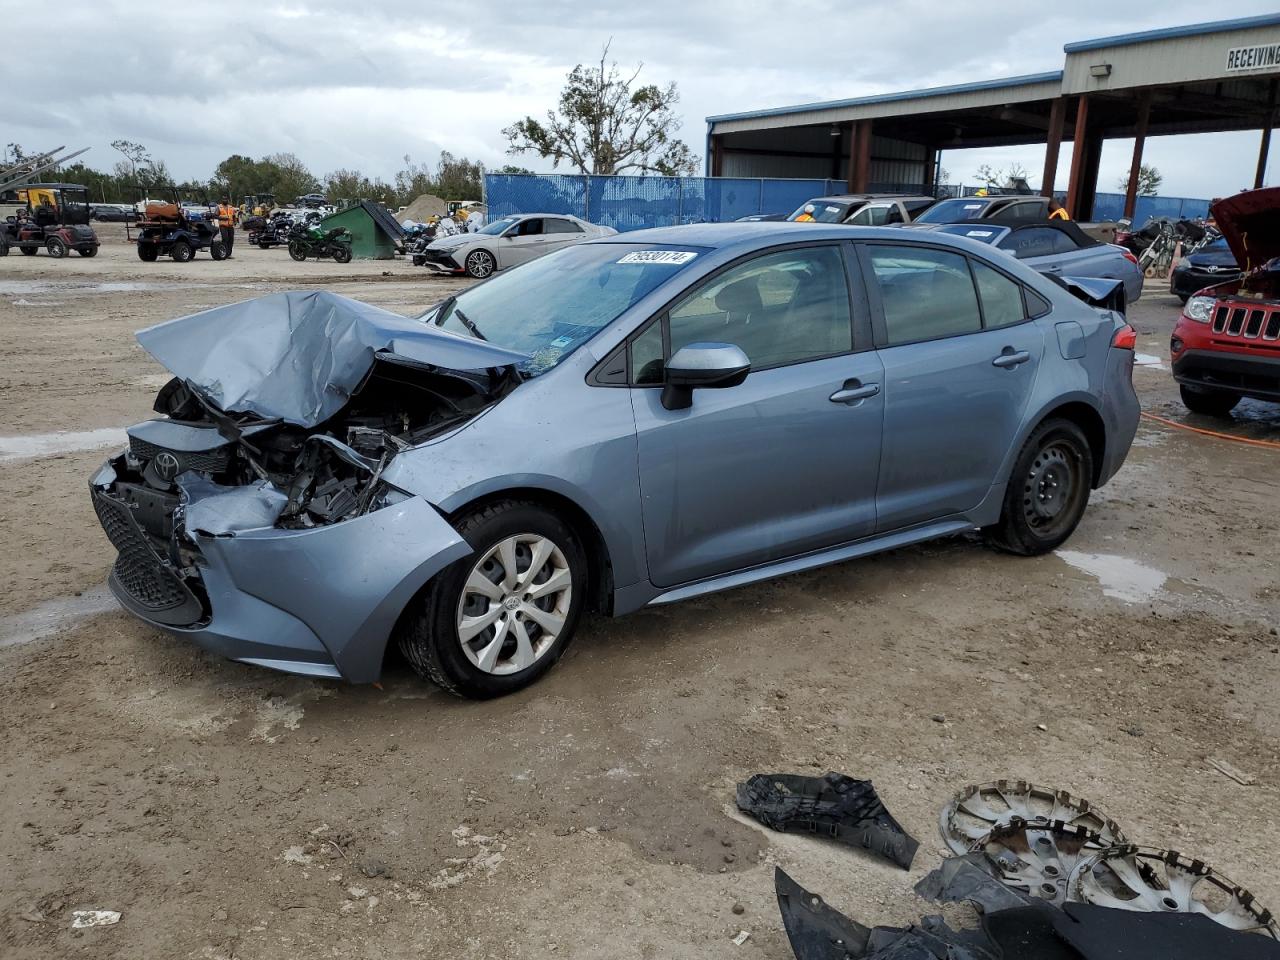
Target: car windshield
973, 232
953, 211
498, 226
823, 211
549, 307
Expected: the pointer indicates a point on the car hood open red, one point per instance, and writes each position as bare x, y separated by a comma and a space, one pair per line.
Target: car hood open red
1250, 223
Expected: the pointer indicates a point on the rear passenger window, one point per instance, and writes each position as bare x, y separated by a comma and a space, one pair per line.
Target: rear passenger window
1001, 297
925, 294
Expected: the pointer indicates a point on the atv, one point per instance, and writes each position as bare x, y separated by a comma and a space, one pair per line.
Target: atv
56, 219
174, 229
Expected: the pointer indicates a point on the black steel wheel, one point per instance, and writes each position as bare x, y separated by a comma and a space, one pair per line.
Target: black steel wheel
1212, 403
1048, 490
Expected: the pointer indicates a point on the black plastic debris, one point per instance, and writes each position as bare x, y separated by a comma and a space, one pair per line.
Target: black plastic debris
973, 879
1104, 933
833, 806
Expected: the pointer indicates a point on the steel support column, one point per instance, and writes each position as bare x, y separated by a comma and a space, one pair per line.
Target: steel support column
1265, 147
717, 155
1056, 118
860, 156
1135, 165
1078, 148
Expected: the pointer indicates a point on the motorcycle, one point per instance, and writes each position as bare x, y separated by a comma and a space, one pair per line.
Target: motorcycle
416, 240
313, 241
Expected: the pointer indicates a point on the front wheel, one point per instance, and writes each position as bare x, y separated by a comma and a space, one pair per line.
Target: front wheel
88, 251
1212, 403
182, 251
217, 251
57, 247
480, 264
297, 250
497, 620
342, 254
1047, 493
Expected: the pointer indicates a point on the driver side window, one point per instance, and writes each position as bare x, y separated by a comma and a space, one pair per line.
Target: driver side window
529, 228
780, 308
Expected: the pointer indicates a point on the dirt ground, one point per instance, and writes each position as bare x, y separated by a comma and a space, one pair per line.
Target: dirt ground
228, 812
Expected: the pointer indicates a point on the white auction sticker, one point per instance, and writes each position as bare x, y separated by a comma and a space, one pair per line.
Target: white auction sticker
979, 233
673, 257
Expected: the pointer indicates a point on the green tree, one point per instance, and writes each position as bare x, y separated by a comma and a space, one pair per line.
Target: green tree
605, 126
458, 178
512, 169
1149, 180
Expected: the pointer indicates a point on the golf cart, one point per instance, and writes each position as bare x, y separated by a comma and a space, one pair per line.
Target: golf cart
176, 229
55, 218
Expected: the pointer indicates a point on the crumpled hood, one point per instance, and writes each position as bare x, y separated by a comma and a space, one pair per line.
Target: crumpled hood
1250, 223
298, 356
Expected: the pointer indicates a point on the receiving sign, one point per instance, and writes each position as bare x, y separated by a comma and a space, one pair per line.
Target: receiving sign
1253, 58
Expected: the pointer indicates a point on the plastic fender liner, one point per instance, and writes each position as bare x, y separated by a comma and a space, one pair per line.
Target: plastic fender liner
835, 806
347, 581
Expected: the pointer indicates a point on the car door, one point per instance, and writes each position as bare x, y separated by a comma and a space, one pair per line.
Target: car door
559, 232
521, 243
787, 461
960, 359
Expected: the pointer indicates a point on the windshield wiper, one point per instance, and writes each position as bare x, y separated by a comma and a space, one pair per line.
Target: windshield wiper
449, 307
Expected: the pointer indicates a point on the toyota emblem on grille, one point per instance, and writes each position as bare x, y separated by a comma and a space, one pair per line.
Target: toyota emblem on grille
166, 465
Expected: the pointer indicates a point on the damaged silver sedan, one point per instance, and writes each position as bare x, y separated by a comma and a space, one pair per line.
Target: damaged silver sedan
635, 420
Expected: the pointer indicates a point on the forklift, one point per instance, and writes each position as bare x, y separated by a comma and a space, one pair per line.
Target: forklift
55, 217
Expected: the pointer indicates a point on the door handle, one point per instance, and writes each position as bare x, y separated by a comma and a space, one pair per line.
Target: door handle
1009, 359
855, 390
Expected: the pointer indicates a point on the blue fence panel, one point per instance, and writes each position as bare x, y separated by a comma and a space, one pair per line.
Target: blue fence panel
633, 203
1110, 206
728, 198
508, 194
783, 196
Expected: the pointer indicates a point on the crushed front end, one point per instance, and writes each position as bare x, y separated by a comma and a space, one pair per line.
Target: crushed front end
275, 540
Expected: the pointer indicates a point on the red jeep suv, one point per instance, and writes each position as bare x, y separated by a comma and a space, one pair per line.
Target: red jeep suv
1226, 344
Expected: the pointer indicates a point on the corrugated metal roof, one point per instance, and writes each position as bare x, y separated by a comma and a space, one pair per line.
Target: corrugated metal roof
980, 85
1170, 33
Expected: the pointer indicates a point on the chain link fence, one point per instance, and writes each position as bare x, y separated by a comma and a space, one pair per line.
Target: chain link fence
633, 203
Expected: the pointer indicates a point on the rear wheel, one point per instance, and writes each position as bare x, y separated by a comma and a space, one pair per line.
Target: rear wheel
497, 620
1212, 403
28, 251
217, 251
342, 254
4, 247
1047, 493
480, 264
297, 250
147, 251
88, 251
181, 251
57, 247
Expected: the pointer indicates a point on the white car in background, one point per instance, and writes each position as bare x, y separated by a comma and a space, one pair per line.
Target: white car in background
509, 242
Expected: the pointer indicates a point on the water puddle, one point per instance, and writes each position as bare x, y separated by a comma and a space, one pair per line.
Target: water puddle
1120, 577
27, 446
53, 616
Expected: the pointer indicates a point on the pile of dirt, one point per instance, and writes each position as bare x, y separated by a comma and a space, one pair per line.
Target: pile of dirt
427, 205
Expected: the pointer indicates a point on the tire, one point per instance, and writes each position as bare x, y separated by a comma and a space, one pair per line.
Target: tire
88, 251
4, 247
480, 264
419, 261
28, 251
147, 252
217, 251
488, 665
342, 254
1212, 403
181, 251
1047, 493
57, 247
297, 250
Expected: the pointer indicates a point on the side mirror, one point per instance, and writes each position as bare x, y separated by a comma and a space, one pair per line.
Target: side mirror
702, 365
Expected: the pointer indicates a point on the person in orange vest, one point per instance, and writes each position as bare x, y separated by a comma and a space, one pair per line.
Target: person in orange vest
1057, 211
227, 216
806, 215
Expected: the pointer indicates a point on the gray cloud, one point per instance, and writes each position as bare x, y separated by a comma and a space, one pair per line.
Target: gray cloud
361, 85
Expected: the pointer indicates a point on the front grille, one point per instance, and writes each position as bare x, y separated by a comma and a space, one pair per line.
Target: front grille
139, 570
208, 461
1246, 322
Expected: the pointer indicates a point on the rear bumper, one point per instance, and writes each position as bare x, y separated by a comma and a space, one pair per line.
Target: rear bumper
1121, 412
320, 602
1246, 374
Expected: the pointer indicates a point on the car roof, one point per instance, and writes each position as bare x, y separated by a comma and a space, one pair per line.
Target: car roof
846, 197
762, 233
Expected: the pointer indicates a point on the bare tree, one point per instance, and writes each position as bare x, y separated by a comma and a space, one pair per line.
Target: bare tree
135, 154
604, 126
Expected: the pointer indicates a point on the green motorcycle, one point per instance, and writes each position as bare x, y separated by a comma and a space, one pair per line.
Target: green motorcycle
315, 241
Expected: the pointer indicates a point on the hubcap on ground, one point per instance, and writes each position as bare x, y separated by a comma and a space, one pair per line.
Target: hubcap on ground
1050, 488
514, 604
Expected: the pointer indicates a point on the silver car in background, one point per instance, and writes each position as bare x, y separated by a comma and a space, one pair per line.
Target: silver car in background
509, 242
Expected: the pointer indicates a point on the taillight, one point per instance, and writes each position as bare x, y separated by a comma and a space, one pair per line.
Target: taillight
1126, 338
1128, 255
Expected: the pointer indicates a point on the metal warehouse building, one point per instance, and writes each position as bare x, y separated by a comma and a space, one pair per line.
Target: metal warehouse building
1200, 78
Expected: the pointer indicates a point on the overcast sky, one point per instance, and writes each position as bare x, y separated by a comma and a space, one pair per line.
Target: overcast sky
345, 84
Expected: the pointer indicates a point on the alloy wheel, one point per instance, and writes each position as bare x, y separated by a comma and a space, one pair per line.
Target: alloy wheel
480, 264
514, 604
